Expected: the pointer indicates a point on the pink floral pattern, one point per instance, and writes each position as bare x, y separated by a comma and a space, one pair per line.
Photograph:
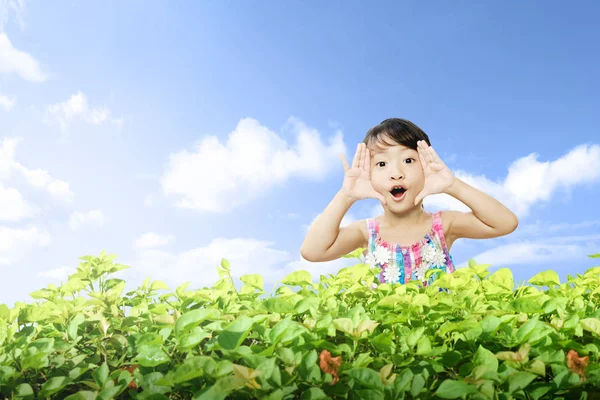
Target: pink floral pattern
408, 263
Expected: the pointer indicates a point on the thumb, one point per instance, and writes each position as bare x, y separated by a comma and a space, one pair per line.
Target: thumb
420, 196
344, 162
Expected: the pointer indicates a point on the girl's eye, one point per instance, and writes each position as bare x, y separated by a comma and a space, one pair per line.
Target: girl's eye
409, 160
380, 162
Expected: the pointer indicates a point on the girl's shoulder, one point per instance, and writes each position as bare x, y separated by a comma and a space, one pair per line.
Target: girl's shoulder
360, 225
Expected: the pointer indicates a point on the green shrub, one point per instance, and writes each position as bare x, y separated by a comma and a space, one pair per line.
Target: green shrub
337, 339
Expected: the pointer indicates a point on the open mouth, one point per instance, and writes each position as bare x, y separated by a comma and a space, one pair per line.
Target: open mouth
398, 192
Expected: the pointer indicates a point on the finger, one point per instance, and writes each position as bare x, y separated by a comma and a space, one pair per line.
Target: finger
422, 158
434, 154
344, 162
428, 155
367, 163
419, 197
356, 160
363, 156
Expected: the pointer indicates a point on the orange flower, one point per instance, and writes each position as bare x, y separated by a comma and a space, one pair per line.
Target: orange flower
577, 364
330, 365
130, 369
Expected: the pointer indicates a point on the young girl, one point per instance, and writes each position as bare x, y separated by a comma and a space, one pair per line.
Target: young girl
396, 164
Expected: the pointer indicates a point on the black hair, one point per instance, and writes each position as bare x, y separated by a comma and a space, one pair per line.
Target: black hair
398, 130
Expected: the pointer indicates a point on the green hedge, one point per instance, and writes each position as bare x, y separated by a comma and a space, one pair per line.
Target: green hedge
337, 338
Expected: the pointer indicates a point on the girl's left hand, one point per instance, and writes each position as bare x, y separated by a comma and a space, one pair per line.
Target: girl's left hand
438, 177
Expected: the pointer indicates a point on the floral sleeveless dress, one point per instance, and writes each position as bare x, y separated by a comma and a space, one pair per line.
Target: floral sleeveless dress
409, 263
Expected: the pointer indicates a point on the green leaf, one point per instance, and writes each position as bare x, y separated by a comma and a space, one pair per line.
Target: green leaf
190, 340
152, 355
314, 393
503, 277
233, 336
520, 380
298, 278
82, 395
545, 278
344, 324
221, 388
192, 319
254, 280
403, 380
190, 369
54, 385
366, 377
24, 392
537, 367
526, 330
451, 389
526, 305
286, 331
420, 300
101, 374
368, 394
490, 323
414, 336
485, 357
423, 346
417, 385
591, 325
538, 390
225, 265
281, 305
74, 324
159, 285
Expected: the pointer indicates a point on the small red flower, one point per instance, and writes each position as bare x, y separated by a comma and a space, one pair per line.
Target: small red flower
577, 364
330, 365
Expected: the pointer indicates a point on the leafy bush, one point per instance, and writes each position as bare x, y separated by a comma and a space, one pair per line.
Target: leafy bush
338, 338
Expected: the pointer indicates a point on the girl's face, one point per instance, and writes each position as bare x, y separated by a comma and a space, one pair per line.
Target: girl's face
397, 174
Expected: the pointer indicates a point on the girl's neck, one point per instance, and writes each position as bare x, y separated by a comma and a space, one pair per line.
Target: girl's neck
414, 216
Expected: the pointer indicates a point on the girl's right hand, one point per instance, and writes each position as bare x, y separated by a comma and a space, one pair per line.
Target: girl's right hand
357, 180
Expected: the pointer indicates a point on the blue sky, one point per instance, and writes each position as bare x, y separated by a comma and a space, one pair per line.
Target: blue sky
176, 134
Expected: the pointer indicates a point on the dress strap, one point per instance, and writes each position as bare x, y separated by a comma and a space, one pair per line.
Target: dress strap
438, 228
372, 227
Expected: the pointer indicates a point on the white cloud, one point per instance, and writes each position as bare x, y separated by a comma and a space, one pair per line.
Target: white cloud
13, 206
16, 6
149, 201
151, 240
59, 274
530, 181
18, 62
38, 178
540, 228
217, 177
7, 103
199, 265
551, 250
95, 218
316, 269
77, 108
41, 179
346, 220
15, 243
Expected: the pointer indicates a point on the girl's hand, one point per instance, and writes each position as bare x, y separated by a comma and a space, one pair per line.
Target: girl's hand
357, 180
438, 177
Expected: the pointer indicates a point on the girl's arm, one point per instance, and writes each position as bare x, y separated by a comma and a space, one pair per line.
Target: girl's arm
488, 217
325, 240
